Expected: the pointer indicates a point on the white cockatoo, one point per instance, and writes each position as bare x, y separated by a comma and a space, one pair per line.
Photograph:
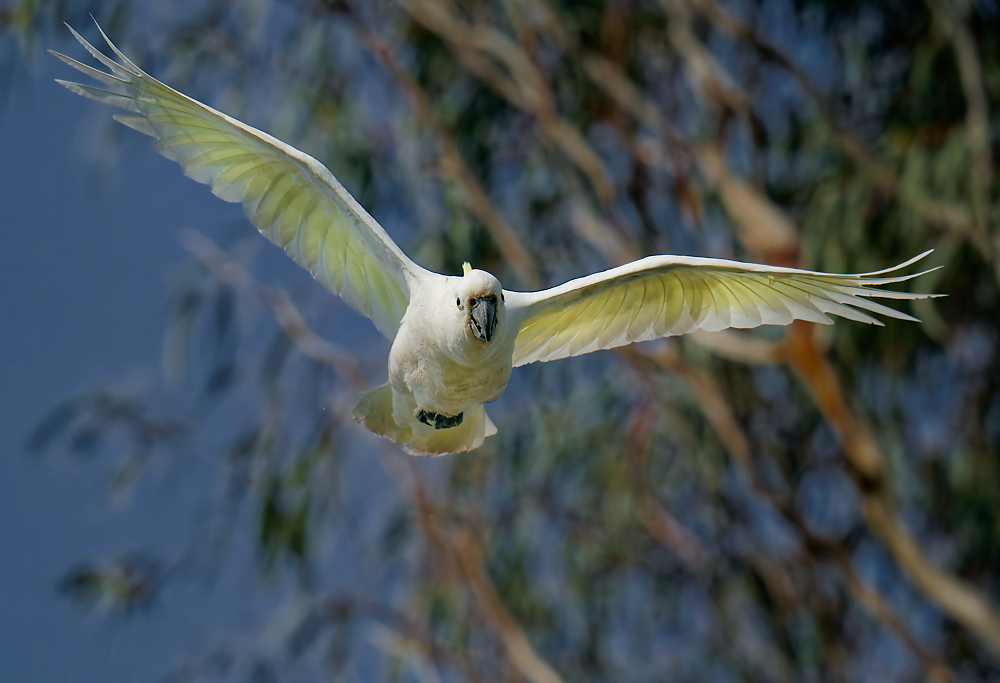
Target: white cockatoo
456, 339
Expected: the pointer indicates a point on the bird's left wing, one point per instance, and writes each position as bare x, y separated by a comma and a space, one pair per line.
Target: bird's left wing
660, 296
292, 199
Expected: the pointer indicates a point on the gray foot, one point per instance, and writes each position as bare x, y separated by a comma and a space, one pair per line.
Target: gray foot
438, 421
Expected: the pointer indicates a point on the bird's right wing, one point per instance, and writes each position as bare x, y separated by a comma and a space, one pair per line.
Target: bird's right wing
660, 296
290, 197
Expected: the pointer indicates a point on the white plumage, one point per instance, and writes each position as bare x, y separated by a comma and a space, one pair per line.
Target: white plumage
455, 340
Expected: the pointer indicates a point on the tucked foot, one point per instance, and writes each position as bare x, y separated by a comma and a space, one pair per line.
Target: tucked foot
438, 421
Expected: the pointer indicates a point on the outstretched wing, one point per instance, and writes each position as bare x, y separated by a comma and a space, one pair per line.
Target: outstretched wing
292, 199
660, 296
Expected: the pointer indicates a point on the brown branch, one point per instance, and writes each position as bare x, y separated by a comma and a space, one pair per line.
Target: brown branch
866, 596
821, 378
707, 395
716, 409
803, 354
740, 346
709, 77
873, 602
950, 215
288, 317
522, 656
665, 528
480, 48
403, 627
958, 599
962, 602
763, 228
977, 119
463, 556
660, 524
454, 167
592, 229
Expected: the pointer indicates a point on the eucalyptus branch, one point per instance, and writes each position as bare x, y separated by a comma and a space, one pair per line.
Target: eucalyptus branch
660, 524
480, 47
763, 228
709, 77
934, 669
954, 216
962, 602
285, 312
453, 165
977, 119
402, 628
462, 554
521, 654
801, 351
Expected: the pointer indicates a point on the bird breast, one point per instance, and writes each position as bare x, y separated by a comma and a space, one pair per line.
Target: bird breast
444, 378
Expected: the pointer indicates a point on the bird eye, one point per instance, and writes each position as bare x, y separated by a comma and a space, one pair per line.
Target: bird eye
458, 302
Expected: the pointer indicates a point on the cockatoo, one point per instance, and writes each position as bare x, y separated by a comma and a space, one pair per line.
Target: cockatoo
455, 339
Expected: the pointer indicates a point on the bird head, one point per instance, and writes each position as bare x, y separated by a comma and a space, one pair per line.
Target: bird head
479, 300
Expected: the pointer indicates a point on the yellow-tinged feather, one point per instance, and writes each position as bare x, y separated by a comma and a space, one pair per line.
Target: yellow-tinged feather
652, 304
272, 206
667, 295
678, 302
331, 261
613, 308
291, 198
298, 204
306, 243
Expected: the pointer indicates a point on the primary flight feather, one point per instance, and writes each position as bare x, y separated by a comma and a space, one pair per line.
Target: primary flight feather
456, 339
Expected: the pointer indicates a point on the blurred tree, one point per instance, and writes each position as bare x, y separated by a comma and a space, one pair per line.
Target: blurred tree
800, 504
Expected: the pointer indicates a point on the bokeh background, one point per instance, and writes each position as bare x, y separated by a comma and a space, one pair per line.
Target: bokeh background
185, 497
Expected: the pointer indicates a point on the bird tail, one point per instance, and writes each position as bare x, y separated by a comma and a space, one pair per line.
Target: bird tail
475, 427
376, 411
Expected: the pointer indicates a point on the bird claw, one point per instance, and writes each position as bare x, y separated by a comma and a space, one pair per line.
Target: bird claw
438, 421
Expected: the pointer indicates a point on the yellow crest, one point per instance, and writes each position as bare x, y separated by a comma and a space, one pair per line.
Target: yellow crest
466, 268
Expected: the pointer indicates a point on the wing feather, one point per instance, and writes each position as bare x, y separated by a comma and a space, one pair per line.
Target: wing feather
661, 296
679, 307
290, 197
749, 310
652, 304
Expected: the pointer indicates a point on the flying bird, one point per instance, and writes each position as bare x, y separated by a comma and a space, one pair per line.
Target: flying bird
455, 339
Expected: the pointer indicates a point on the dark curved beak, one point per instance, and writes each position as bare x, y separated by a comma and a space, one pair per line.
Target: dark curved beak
483, 318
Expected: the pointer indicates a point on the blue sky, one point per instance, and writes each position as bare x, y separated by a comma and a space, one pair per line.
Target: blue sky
83, 284
93, 240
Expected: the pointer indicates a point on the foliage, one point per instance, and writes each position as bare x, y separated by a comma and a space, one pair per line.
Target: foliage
794, 505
